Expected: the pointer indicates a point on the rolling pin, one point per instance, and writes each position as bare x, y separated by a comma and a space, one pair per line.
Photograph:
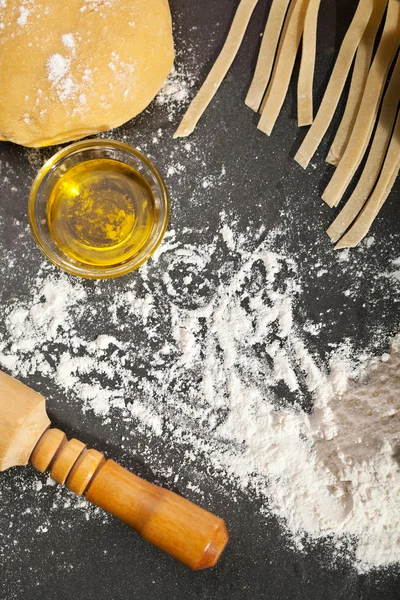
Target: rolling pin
187, 532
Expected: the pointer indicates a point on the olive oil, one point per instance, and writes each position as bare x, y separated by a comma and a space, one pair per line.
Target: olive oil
101, 212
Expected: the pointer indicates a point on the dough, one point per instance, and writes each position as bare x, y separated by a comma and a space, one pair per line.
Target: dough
71, 69
284, 64
376, 156
219, 69
382, 189
358, 80
306, 75
369, 106
336, 83
266, 56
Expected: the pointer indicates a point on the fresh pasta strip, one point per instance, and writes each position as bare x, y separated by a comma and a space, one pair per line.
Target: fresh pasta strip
358, 80
288, 20
336, 83
267, 53
382, 189
369, 106
219, 69
375, 159
284, 64
306, 75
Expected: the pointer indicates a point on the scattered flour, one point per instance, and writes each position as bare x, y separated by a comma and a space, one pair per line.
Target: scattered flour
212, 386
58, 68
68, 40
23, 15
175, 91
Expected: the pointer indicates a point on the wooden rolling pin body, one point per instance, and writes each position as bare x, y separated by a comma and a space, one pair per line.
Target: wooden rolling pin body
187, 532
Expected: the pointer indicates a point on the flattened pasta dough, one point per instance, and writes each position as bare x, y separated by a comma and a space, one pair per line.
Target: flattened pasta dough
76, 68
357, 85
336, 83
307, 65
266, 56
368, 111
382, 189
284, 64
375, 159
219, 69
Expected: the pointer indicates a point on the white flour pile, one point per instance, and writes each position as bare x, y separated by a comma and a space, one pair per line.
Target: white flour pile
224, 348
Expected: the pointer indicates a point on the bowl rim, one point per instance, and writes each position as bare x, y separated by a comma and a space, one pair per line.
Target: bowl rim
91, 272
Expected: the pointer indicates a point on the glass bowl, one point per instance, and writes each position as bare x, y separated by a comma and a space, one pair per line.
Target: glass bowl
50, 176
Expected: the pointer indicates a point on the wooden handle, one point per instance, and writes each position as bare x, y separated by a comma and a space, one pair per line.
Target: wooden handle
187, 532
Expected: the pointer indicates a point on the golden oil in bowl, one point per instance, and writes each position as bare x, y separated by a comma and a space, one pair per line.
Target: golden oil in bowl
98, 209
101, 211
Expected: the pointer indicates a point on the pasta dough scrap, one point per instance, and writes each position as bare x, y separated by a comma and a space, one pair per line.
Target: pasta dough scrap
367, 113
375, 159
307, 65
76, 68
219, 69
382, 189
266, 56
284, 64
336, 83
357, 85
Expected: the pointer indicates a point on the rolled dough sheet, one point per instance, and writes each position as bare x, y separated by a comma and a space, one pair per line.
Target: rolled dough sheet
369, 106
336, 83
283, 68
266, 56
306, 75
219, 69
358, 80
72, 69
376, 157
385, 183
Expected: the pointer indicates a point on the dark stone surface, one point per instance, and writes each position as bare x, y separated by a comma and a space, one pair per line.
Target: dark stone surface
99, 560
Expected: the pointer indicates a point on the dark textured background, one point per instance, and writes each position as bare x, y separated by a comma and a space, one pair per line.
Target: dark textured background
94, 560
